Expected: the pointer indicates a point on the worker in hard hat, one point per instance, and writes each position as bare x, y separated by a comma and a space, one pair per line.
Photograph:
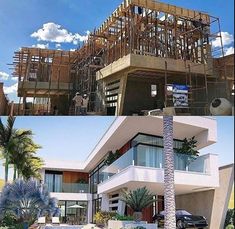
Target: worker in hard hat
85, 101
78, 103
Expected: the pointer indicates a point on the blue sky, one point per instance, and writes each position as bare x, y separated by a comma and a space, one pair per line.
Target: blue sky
20, 19
72, 138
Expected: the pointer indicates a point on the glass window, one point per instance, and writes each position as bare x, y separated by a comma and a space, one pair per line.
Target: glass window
76, 212
58, 183
49, 181
149, 156
153, 140
147, 139
54, 181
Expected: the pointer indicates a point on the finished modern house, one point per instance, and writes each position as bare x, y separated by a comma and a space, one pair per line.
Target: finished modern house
201, 186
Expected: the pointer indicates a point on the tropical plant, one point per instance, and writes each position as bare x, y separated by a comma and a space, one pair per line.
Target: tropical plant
229, 220
26, 164
18, 149
102, 217
112, 157
189, 148
137, 200
169, 190
8, 135
25, 201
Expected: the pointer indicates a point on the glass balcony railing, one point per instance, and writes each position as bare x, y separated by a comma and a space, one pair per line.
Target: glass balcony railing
153, 157
121, 163
75, 188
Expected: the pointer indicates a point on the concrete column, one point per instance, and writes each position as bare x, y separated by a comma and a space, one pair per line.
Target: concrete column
121, 207
121, 95
105, 202
89, 211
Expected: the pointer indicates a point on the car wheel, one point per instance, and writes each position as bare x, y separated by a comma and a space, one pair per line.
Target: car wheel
180, 224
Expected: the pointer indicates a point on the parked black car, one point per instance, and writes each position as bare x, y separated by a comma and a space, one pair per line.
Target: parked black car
183, 220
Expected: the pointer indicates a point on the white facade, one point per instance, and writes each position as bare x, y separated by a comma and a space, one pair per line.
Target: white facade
132, 176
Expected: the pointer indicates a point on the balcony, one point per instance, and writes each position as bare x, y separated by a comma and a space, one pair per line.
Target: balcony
153, 157
143, 165
75, 188
67, 187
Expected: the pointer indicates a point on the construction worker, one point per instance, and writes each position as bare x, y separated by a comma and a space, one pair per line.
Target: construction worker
78, 103
85, 101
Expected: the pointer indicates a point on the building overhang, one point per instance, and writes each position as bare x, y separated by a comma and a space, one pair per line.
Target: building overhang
124, 129
132, 63
40, 89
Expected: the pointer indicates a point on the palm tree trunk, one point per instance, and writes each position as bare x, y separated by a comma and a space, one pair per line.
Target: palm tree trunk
169, 189
14, 175
6, 166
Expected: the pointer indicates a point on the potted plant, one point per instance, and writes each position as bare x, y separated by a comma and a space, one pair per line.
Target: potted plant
111, 157
137, 200
189, 148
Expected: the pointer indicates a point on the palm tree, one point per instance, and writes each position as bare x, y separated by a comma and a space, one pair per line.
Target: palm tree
137, 200
26, 164
25, 201
169, 190
8, 137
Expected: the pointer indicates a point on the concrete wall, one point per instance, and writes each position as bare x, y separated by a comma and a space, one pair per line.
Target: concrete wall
138, 96
199, 203
212, 204
222, 196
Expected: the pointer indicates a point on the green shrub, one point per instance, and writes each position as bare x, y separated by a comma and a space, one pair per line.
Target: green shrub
124, 218
8, 221
229, 221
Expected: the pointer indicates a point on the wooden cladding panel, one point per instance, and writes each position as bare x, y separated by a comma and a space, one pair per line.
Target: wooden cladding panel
74, 177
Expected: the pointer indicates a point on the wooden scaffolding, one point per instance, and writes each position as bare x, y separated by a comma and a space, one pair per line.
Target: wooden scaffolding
140, 27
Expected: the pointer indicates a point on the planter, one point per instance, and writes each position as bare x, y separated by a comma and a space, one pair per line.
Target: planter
117, 224
138, 216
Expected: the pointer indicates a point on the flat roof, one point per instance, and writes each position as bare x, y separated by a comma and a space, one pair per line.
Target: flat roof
125, 128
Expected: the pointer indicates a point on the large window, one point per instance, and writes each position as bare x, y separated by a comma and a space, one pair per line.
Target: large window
96, 177
54, 181
73, 212
152, 140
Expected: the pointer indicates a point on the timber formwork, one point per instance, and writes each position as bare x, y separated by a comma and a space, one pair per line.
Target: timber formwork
159, 43
142, 41
44, 74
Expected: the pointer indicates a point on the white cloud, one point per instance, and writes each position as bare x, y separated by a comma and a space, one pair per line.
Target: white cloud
72, 50
4, 76
229, 51
55, 33
226, 38
41, 46
58, 46
10, 89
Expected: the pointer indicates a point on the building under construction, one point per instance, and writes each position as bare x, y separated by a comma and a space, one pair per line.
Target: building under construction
131, 64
